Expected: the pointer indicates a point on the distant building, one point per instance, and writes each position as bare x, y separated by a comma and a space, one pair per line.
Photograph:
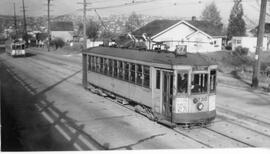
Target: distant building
266, 33
192, 36
247, 42
64, 30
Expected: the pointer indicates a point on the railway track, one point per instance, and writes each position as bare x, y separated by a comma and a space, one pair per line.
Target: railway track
211, 136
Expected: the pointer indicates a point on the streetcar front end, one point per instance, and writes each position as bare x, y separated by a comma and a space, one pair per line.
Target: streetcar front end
195, 95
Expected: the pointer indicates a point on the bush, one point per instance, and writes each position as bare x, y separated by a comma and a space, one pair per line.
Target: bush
58, 43
241, 51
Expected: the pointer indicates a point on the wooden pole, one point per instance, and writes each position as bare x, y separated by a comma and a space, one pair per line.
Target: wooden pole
25, 25
84, 56
84, 25
49, 26
257, 64
15, 20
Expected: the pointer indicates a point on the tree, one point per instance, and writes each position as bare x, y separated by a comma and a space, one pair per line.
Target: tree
211, 14
237, 25
132, 23
107, 34
92, 29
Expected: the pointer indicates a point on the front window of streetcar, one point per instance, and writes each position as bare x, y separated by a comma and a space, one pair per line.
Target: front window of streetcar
182, 83
199, 83
213, 80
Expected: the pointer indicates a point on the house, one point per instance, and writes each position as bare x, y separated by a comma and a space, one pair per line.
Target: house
64, 30
247, 42
266, 33
172, 35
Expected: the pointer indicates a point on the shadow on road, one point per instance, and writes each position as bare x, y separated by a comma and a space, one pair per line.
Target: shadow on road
32, 123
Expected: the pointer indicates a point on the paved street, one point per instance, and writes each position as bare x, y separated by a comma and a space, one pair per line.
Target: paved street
46, 108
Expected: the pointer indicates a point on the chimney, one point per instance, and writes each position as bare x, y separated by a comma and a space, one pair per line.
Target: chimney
193, 18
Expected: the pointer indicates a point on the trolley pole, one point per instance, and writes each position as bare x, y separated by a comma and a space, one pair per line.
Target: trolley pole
257, 64
49, 26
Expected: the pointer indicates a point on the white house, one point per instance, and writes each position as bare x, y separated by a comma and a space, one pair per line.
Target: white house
64, 30
192, 36
247, 42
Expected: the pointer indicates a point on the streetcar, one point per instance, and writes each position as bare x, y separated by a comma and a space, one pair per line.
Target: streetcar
178, 89
16, 48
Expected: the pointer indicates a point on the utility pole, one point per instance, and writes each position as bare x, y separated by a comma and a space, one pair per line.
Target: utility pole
25, 25
261, 29
15, 20
49, 26
84, 57
84, 25
84, 3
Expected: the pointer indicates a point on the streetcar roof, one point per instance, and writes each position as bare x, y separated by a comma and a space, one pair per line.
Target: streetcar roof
168, 58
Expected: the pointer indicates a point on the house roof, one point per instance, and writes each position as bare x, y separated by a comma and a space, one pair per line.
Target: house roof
62, 26
207, 27
155, 27
167, 58
158, 26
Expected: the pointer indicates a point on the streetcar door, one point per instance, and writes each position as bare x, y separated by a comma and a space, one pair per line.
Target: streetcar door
167, 95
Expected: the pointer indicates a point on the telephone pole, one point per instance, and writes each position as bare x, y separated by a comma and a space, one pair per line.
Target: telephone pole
84, 25
25, 25
15, 20
49, 26
84, 57
84, 3
261, 29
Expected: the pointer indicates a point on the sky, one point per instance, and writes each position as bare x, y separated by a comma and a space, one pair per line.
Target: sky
165, 8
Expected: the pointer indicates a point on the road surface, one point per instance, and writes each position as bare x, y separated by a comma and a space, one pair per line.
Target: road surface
46, 108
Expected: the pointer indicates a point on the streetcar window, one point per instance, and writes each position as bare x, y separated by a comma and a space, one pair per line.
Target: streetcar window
146, 74
105, 66
199, 83
13, 47
132, 73
126, 73
97, 64
182, 82
115, 70
120, 67
158, 79
89, 63
139, 75
110, 68
93, 63
213, 75
23, 46
101, 65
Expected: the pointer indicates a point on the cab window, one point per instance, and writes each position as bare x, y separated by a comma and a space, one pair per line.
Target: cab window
213, 75
182, 82
199, 83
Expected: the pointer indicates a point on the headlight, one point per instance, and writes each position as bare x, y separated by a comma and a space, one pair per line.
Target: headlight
200, 106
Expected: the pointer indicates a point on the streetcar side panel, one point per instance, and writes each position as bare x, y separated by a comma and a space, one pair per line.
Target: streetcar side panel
131, 91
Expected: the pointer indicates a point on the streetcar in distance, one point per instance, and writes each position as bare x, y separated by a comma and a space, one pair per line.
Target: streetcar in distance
16, 48
179, 89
